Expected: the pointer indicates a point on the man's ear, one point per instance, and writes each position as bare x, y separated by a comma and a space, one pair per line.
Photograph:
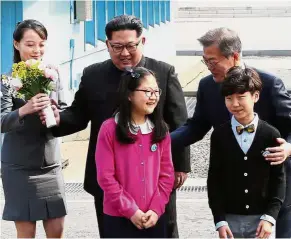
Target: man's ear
143, 40
16, 45
107, 44
236, 57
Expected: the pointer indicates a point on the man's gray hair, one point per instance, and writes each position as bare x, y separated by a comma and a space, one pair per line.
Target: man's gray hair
226, 39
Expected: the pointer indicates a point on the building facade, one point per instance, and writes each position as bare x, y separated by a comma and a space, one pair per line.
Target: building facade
76, 36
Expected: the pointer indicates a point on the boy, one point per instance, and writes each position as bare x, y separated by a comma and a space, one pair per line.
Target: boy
245, 192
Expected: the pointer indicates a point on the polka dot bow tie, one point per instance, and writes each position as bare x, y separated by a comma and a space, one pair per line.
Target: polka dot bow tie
250, 129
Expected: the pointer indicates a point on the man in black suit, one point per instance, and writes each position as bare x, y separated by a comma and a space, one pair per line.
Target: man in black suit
222, 50
95, 101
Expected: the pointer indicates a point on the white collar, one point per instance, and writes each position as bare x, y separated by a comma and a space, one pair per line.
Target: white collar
145, 128
235, 123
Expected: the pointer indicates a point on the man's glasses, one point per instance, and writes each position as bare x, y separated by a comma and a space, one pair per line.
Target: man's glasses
149, 93
210, 64
130, 47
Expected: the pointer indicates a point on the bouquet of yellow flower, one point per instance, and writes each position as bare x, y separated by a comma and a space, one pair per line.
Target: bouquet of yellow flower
30, 78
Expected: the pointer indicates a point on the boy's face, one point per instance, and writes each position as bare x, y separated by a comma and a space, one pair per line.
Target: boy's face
242, 105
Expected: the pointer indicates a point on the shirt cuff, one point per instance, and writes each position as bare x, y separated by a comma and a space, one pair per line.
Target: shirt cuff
220, 224
268, 218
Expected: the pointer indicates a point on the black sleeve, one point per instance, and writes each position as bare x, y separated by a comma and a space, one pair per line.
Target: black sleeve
74, 118
277, 185
214, 180
281, 101
175, 114
195, 128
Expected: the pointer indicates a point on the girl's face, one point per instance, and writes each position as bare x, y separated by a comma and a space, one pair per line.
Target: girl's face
146, 97
31, 46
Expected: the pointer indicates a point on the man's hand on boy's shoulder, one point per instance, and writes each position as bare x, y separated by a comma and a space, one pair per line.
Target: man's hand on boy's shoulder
264, 229
225, 232
280, 153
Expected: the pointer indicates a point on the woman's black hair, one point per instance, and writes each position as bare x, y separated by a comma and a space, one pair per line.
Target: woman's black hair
21, 28
130, 81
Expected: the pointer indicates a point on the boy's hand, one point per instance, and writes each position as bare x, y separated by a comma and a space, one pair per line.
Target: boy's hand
225, 232
264, 229
150, 219
136, 219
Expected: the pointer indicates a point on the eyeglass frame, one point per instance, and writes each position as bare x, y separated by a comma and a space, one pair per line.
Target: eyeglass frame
151, 92
125, 46
210, 64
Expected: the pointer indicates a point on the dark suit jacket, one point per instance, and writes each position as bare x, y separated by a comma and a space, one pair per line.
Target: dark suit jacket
95, 101
274, 107
27, 142
226, 183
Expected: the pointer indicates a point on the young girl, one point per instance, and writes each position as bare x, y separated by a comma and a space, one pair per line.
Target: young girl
133, 160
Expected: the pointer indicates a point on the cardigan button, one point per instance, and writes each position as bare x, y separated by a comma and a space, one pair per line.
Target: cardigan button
245, 158
245, 174
246, 191
247, 206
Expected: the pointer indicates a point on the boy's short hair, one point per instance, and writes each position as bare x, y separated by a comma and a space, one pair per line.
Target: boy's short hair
240, 80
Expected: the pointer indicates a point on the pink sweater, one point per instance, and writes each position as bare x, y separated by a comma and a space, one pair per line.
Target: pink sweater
133, 176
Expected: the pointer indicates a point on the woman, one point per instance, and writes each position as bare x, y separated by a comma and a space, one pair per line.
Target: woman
31, 170
134, 163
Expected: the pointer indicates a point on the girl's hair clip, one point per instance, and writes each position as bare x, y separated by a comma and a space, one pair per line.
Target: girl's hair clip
133, 74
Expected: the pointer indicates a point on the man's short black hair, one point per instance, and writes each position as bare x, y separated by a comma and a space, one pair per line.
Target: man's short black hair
240, 80
123, 22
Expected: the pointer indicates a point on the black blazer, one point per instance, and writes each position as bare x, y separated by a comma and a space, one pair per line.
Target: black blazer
274, 107
95, 101
232, 172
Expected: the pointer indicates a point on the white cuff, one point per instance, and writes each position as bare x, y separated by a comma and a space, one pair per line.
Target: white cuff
220, 224
268, 218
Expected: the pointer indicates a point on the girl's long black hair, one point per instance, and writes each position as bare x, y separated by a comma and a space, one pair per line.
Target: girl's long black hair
130, 81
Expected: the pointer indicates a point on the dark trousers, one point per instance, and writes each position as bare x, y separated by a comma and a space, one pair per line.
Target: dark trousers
283, 223
171, 215
120, 227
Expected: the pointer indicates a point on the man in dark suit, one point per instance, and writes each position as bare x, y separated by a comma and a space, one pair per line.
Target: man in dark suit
95, 101
222, 50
